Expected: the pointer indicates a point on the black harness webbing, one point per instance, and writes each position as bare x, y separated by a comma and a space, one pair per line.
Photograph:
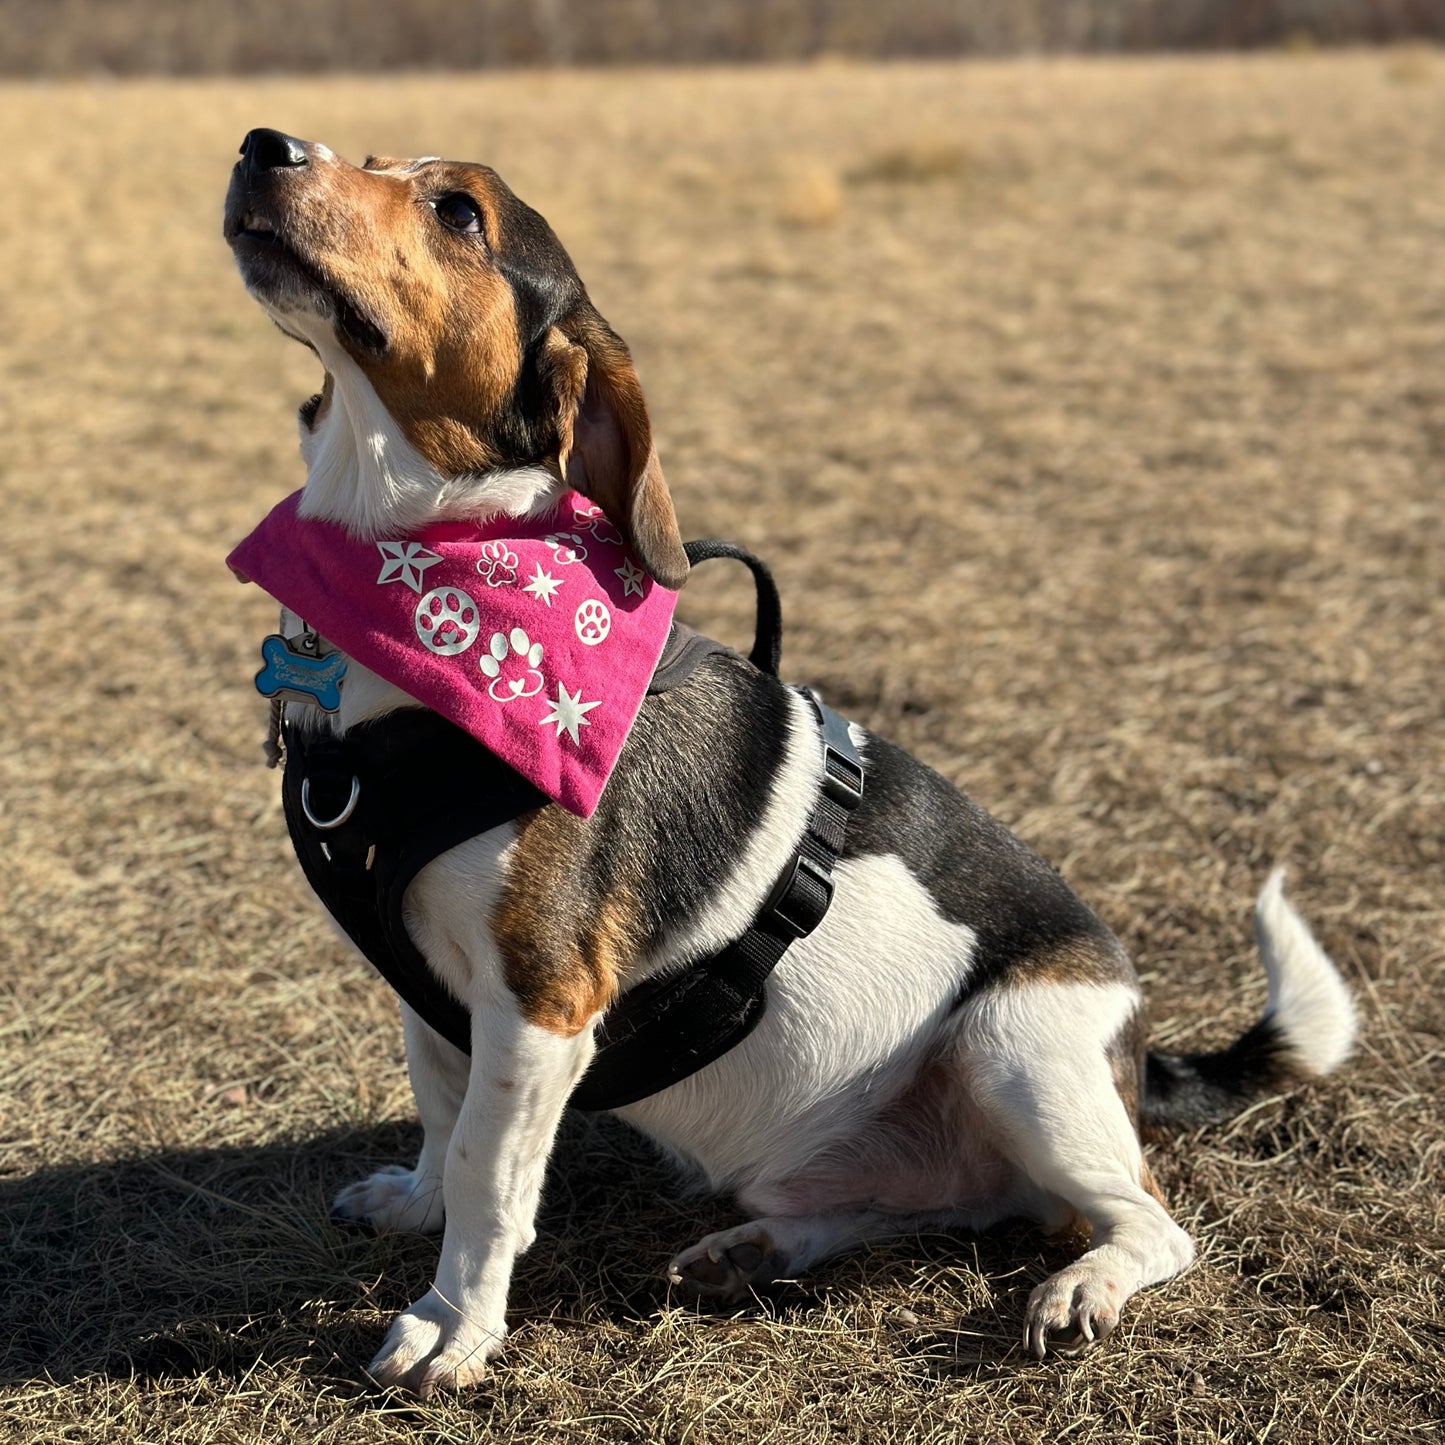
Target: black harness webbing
664, 1029
354, 808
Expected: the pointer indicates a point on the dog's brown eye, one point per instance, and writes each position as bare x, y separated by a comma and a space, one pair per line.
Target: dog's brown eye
460, 212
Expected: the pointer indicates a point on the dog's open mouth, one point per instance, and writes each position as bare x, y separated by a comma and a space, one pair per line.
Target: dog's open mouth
277, 273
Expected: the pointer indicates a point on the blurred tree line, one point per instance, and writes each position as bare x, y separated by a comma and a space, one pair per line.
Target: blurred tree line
58, 37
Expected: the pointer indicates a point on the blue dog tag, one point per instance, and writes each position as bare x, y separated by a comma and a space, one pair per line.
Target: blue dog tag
299, 675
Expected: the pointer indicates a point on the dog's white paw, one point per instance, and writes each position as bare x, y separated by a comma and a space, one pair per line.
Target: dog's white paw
432, 1346
393, 1199
1073, 1310
726, 1265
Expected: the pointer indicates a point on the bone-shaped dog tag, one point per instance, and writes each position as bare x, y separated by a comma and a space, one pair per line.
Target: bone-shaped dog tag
297, 674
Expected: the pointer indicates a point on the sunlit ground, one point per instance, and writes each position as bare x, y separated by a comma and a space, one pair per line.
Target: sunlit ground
1092, 416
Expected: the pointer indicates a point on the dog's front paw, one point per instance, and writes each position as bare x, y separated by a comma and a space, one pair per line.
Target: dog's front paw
1073, 1310
393, 1199
725, 1266
433, 1346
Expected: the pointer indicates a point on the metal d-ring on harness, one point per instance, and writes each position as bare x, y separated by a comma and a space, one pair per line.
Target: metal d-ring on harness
347, 808
350, 808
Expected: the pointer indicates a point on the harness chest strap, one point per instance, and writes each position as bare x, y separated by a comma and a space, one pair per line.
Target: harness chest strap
663, 1030
349, 806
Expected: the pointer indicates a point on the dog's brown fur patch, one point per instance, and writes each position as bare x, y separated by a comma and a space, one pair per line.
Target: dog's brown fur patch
1126, 1061
453, 353
1079, 960
564, 948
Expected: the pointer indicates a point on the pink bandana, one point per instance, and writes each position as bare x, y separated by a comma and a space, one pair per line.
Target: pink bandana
539, 637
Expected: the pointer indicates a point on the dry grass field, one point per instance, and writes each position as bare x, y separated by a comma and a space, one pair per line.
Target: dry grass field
1093, 417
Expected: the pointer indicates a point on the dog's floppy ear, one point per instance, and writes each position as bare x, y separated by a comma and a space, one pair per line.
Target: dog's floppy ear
604, 439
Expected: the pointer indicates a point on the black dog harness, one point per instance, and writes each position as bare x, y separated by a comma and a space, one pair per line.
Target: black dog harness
351, 808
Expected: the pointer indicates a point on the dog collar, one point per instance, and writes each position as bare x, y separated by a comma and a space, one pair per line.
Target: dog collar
536, 636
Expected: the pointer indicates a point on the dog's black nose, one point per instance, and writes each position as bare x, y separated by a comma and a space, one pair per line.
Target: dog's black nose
270, 150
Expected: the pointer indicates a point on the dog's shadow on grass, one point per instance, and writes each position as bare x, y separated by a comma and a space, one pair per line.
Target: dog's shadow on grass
186, 1262
182, 1263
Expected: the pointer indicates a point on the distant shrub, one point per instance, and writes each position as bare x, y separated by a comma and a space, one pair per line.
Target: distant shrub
50, 37
915, 164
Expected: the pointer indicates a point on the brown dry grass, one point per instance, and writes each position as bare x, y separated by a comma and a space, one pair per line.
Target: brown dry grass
1102, 467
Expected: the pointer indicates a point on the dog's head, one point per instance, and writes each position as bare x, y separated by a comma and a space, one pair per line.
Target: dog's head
466, 318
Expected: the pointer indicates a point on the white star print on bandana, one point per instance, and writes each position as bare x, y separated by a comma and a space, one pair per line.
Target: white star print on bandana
406, 561
569, 712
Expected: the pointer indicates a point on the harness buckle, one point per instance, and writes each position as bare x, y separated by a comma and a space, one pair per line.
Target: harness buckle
790, 907
842, 777
843, 770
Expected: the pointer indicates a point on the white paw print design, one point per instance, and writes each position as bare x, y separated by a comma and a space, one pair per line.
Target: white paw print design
593, 622
447, 621
567, 548
497, 564
511, 661
593, 519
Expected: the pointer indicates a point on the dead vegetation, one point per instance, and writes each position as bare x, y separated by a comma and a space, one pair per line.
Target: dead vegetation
1102, 468
228, 37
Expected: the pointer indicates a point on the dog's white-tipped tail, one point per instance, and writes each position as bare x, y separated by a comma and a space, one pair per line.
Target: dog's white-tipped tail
1308, 1001
1307, 1029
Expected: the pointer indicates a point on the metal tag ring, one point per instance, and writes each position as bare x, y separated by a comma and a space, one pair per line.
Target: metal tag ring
323, 824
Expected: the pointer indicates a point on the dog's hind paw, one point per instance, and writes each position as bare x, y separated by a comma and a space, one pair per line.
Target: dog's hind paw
390, 1200
726, 1265
1072, 1311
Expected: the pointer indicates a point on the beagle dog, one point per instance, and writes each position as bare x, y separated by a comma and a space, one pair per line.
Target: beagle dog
961, 1040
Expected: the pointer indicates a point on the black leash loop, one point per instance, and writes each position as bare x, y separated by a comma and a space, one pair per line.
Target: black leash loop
767, 653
